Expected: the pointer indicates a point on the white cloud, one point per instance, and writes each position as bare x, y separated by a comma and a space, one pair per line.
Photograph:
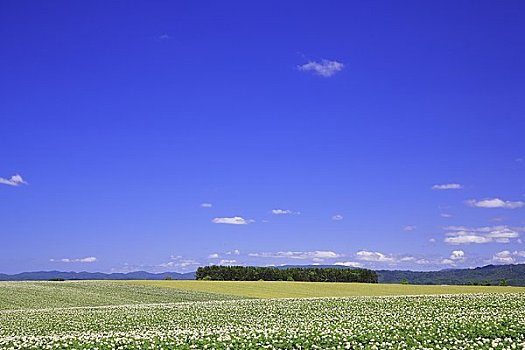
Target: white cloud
447, 262
206, 205
213, 256
325, 68
432, 240
423, 262
452, 186
87, 260
337, 217
503, 257
457, 255
318, 254
228, 262
374, 256
407, 258
179, 262
409, 228
465, 235
348, 263
164, 37
467, 239
236, 220
285, 212
495, 203
234, 252
445, 215
507, 257
15, 180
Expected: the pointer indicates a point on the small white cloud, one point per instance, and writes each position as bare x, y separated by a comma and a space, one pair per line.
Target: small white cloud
495, 203
178, 262
465, 235
164, 36
447, 262
213, 256
467, 239
325, 68
87, 260
319, 254
432, 240
373, 256
423, 262
452, 186
285, 212
407, 258
445, 215
228, 262
507, 257
503, 257
15, 180
234, 252
206, 205
236, 220
409, 228
457, 255
348, 263
337, 217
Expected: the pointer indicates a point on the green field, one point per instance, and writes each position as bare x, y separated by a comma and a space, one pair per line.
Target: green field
268, 289
165, 315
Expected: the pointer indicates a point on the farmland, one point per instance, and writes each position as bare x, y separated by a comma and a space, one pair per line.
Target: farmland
164, 315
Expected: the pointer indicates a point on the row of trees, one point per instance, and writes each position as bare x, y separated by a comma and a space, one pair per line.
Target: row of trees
252, 273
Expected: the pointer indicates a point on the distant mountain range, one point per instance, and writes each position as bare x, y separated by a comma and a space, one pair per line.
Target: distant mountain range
513, 275
137, 275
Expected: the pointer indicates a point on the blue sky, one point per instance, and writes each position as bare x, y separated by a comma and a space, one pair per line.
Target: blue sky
160, 135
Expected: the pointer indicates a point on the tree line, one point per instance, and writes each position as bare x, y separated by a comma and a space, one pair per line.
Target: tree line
253, 273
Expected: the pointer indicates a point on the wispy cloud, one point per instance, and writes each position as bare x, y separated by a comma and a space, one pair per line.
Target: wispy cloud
284, 212
235, 220
89, 259
317, 254
507, 257
15, 180
324, 68
456, 235
179, 262
337, 217
228, 262
206, 205
375, 259
494, 203
451, 186
374, 256
409, 228
213, 256
348, 263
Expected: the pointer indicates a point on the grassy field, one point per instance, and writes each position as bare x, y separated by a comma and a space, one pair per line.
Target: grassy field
266, 289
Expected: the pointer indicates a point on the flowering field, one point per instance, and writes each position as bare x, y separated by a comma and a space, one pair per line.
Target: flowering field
37, 295
467, 321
